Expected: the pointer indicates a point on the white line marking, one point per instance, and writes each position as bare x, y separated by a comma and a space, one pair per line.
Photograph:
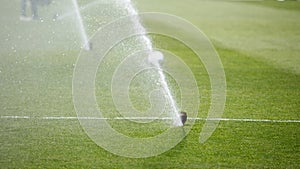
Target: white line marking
249, 120
15, 117
148, 118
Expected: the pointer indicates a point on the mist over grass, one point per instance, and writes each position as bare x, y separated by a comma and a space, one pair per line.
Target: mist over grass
258, 44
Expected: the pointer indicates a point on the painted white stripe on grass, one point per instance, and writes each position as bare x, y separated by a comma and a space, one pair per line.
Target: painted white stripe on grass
71, 118
248, 120
149, 118
15, 117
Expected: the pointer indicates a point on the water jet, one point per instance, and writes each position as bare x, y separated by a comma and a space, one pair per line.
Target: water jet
155, 58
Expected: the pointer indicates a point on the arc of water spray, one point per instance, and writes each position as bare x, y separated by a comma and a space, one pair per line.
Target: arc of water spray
175, 115
139, 27
83, 34
91, 4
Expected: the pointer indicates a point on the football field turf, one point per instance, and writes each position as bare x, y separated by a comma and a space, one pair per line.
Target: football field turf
257, 42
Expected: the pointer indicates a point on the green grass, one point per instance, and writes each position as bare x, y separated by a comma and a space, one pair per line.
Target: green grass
258, 44
286, 5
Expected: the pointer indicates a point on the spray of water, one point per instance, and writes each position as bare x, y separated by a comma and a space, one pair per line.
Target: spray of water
71, 13
83, 34
154, 58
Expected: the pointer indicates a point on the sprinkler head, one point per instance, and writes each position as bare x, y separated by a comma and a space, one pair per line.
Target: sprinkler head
55, 17
88, 46
183, 117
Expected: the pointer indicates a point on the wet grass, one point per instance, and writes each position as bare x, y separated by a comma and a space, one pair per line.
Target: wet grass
38, 83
